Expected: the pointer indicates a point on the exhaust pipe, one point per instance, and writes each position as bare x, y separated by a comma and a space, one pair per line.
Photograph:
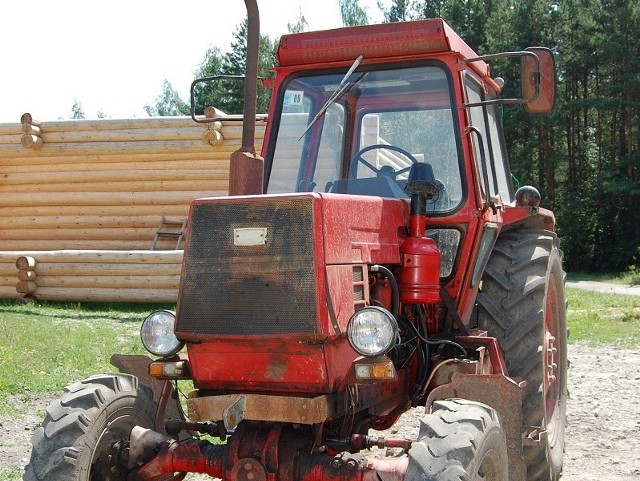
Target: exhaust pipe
246, 173
251, 77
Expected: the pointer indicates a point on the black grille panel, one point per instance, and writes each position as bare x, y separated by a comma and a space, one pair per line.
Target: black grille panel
249, 290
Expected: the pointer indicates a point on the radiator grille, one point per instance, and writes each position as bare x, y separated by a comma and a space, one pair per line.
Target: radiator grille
249, 290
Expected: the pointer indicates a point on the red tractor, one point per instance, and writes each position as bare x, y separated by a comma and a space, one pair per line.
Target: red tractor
376, 260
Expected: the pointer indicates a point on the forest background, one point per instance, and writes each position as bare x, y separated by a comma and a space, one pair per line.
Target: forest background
584, 157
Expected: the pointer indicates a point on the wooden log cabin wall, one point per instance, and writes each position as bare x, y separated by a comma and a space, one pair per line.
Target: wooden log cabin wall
81, 202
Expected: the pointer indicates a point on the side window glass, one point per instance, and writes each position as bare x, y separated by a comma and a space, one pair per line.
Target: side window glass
479, 121
295, 116
501, 162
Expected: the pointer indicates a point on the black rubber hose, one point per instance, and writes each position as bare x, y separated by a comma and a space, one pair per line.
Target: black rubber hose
436, 342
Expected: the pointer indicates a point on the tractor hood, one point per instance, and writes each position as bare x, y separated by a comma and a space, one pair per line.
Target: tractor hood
280, 274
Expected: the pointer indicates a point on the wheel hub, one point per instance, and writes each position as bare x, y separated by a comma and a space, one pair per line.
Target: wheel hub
110, 464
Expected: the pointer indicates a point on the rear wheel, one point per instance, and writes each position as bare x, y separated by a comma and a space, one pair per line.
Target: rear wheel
459, 440
84, 436
522, 304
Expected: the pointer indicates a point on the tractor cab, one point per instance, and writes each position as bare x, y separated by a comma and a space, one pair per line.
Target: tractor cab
352, 113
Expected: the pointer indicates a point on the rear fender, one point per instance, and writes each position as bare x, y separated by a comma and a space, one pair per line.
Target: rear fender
530, 217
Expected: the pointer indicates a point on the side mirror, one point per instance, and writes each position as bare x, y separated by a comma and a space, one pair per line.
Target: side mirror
538, 78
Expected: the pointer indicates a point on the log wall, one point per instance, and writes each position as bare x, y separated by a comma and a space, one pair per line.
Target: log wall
103, 185
102, 275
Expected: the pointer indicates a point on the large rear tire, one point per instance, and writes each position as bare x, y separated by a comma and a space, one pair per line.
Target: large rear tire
522, 304
459, 440
84, 436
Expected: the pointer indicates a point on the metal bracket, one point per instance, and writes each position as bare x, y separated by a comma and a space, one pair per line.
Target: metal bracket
235, 413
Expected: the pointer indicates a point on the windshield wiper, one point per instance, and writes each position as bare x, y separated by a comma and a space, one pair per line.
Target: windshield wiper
342, 89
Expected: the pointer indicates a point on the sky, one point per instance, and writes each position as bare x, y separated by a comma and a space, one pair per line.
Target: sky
113, 56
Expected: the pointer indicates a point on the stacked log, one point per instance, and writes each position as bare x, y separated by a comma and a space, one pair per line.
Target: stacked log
105, 184
8, 276
99, 275
31, 137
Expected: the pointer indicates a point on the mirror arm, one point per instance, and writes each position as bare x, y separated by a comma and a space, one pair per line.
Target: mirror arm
502, 56
498, 102
203, 80
221, 118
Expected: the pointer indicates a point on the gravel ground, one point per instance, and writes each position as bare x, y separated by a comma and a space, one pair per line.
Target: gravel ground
603, 411
603, 436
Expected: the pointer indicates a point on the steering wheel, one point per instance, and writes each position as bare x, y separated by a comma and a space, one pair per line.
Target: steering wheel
385, 170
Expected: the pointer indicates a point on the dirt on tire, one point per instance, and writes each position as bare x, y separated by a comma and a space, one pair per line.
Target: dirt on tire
602, 436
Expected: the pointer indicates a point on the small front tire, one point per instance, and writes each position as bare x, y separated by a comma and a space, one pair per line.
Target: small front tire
459, 440
84, 436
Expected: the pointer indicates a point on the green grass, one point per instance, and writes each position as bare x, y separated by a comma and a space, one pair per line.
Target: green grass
601, 318
631, 277
45, 346
10, 474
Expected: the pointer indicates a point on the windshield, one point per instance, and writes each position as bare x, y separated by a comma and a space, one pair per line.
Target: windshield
360, 133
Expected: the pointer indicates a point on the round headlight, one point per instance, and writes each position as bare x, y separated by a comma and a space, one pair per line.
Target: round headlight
157, 334
372, 331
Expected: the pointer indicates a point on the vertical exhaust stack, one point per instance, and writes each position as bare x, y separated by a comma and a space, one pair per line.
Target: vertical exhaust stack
246, 172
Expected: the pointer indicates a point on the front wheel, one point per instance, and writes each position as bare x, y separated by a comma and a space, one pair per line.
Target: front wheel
85, 434
459, 440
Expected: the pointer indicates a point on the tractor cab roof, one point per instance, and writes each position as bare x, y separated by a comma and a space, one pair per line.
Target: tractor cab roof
387, 41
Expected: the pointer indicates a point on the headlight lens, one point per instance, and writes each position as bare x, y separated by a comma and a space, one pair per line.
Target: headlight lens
157, 334
372, 331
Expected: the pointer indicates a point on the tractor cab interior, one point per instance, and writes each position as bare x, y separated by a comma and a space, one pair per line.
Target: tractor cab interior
360, 133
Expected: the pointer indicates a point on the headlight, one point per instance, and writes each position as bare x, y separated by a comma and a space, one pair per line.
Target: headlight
157, 334
372, 331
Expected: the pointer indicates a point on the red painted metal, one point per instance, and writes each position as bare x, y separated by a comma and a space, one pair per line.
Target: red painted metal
191, 456
347, 233
537, 217
246, 173
419, 274
383, 41
362, 229
268, 453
